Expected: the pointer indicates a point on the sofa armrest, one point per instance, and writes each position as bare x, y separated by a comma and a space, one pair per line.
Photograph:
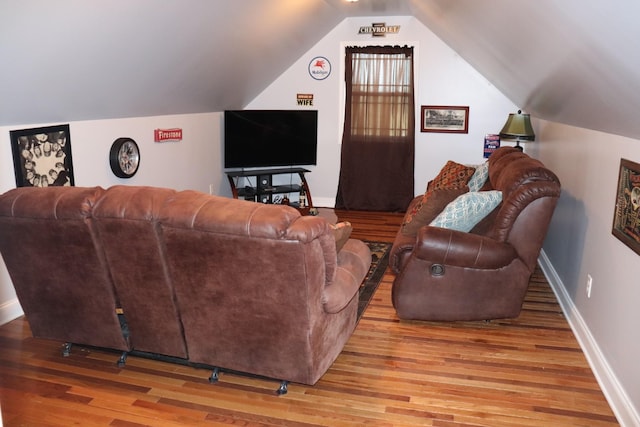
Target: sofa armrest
403, 244
460, 249
354, 260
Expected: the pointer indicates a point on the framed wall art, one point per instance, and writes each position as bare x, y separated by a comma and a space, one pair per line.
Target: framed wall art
42, 156
626, 219
442, 118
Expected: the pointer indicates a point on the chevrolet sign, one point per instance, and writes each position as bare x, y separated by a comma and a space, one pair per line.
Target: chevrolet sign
379, 29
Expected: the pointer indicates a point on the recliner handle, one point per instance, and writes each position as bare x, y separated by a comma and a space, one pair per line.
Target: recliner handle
437, 270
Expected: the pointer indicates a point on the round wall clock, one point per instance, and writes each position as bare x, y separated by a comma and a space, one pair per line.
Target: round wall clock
124, 157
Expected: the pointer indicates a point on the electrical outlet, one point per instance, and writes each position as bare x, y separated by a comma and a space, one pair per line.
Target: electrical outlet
211, 189
589, 285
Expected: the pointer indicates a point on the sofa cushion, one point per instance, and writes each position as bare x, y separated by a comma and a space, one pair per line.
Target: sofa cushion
341, 232
467, 210
479, 177
429, 207
452, 175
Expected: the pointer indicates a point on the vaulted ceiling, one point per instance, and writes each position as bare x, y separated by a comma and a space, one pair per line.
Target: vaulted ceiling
569, 61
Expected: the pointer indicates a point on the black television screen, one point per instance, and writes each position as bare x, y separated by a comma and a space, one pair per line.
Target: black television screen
263, 138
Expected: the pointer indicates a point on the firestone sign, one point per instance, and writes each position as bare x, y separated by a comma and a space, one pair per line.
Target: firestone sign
164, 135
379, 29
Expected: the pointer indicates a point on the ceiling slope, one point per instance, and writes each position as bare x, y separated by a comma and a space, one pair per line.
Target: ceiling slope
76, 60
568, 61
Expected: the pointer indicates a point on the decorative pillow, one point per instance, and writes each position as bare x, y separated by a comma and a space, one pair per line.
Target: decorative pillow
467, 210
452, 175
479, 177
341, 231
426, 211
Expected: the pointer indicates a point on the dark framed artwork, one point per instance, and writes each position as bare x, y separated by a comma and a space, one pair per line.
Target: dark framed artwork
42, 156
444, 118
626, 219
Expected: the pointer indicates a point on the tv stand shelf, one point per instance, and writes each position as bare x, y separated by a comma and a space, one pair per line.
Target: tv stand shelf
265, 188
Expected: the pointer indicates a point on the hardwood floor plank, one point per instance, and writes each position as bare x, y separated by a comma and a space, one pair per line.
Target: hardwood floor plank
528, 371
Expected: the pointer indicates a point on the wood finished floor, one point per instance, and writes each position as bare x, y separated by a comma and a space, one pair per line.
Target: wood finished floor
527, 371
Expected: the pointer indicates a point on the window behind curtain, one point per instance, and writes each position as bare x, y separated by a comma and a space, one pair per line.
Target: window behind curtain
382, 96
376, 172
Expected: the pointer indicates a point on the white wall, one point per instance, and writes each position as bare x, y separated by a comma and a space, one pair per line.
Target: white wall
580, 242
441, 78
193, 163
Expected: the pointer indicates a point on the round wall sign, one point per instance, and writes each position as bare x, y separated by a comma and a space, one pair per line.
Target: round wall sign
319, 68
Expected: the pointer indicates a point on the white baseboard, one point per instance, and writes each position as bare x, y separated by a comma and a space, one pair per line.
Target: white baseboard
10, 310
622, 406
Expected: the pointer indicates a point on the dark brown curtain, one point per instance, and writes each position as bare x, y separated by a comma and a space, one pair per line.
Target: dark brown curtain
376, 171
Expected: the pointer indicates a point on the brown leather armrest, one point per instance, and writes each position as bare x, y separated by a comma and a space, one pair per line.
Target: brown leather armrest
354, 261
456, 248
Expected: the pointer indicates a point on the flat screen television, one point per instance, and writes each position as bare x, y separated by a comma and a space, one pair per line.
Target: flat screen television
265, 138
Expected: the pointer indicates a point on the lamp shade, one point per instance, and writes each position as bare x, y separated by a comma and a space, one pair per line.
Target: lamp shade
518, 126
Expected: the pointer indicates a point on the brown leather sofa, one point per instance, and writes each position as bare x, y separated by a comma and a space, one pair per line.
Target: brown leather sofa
447, 275
195, 278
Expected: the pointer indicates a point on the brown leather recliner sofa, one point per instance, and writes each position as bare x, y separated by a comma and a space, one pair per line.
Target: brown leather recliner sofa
207, 280
448, 275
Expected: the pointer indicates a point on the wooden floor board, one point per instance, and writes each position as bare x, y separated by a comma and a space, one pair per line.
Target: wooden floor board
528, 371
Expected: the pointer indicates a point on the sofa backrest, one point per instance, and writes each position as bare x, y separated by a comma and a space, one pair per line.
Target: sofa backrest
255, 271
126, 218
529, 195
57, 265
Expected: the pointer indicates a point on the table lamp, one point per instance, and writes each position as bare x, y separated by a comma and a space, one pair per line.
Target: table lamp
518, 127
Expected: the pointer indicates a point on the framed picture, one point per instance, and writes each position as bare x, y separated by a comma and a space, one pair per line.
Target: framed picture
626, 220
42, 156
442, 118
